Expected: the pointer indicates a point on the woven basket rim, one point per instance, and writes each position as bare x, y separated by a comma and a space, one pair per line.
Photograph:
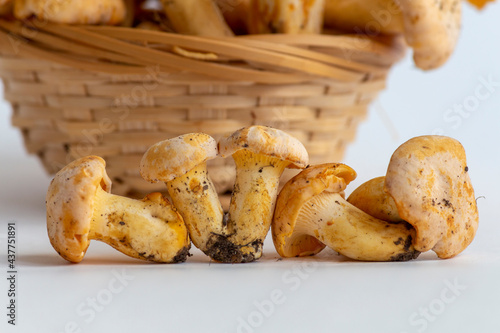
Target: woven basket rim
272, 59
64, 81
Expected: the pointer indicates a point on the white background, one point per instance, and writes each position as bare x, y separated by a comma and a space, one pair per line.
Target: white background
323, 294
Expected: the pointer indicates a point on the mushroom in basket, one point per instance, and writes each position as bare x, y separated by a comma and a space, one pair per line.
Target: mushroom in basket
5, 8
80, 208
430, 27
479, 4
109, 12
286, 16
196, 17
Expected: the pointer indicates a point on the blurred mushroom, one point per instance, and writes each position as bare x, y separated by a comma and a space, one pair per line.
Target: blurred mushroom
5, 8
261, 154
286, 16
432, 29
109, 12
311, 212
479, 4
181, 163
196, 17
427, 185
133, 9
80, 208
371, 17
235, 13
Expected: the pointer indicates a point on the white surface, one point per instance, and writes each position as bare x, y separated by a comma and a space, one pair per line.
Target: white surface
324, 294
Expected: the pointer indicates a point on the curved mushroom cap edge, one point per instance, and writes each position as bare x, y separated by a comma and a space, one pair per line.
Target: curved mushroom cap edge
266, 141
329, 177
70, 202
172, 158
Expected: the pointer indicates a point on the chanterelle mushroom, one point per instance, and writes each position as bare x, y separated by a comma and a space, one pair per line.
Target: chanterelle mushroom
286, 16
261, 154
427, 185
372, 199
80, 208
311, 212
364, 16
72, 12
5, 7
479, 4
432, 29
196, 17
181, 163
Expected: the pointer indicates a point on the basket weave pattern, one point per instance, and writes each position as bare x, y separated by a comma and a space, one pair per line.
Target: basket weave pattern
114, 92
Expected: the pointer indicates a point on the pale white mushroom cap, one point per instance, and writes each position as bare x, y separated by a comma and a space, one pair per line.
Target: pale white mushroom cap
70, 205
429, 181
266, 141
175, 157
432, 29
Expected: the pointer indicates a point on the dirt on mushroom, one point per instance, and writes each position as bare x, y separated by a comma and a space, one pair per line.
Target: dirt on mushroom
80, 208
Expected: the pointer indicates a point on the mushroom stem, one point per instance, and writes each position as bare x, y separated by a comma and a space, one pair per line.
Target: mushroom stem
145, 229
353, 233
195, 197
252, 203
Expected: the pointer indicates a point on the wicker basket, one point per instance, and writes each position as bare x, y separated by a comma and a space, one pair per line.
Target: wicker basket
115, 91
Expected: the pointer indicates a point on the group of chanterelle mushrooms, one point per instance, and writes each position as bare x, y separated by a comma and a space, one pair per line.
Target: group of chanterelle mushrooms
430, 27
424, 202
